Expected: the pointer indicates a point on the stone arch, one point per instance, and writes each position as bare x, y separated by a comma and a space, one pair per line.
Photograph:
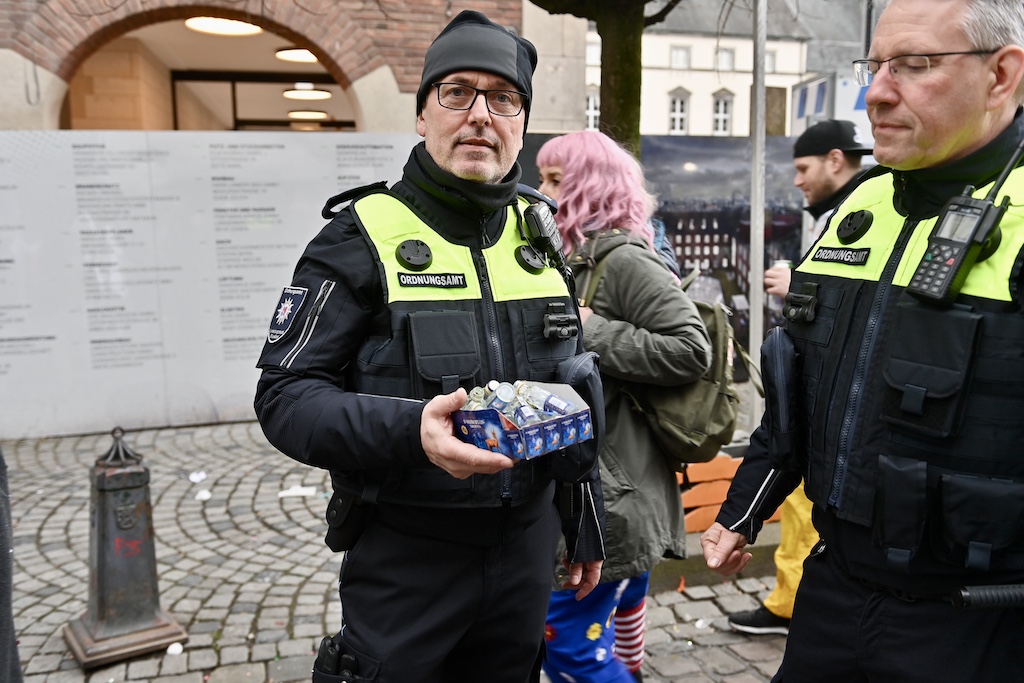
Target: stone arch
372, 48
59, 40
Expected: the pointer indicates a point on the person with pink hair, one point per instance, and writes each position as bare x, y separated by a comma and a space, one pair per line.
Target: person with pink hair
646, 331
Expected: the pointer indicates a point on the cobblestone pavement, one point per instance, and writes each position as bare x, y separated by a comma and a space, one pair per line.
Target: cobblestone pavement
244, 571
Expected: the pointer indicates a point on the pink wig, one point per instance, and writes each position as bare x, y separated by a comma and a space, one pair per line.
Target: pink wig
602, 187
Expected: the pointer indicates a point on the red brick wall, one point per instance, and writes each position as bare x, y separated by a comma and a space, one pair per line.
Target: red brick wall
351, 37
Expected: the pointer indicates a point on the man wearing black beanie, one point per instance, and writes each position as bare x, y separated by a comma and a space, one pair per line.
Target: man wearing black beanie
409, 297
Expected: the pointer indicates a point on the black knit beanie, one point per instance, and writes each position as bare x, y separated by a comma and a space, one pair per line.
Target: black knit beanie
472, 42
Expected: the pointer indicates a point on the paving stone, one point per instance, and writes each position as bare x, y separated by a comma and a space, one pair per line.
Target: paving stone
672, 665
691, 611
659, 616
289, 669
143, 669
756, 651
240, 673
716, 660
202, 659
737, 603
263, 652
699, 593
233, 655
667, 598
196, 677
750, 585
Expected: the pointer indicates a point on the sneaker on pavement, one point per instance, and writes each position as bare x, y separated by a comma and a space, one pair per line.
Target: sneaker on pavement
759, 622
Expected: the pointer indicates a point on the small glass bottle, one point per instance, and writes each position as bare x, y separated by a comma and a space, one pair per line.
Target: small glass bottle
522, 414
543, 400
477, 394
503, 394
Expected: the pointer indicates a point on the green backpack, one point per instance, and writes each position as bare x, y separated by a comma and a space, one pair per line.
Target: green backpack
693, 421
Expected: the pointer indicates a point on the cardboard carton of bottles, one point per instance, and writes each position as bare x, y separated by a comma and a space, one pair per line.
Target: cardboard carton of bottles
491, 430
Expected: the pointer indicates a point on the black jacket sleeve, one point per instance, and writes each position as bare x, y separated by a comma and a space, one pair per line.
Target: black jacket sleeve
757, 489
300, 401
774, 462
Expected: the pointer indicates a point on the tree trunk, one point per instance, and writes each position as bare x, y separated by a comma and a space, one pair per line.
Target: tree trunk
621, 30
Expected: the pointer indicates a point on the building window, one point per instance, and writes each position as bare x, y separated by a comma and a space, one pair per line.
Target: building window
677, 116
769, 62
722, 114
593, 111
725, 59
678, 108
593, 54
679, 57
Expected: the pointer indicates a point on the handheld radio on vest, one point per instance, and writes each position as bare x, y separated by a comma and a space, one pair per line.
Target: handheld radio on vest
967, 231
542, 231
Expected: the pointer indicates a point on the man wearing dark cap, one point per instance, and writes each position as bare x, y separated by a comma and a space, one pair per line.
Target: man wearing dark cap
827, 157
409, 297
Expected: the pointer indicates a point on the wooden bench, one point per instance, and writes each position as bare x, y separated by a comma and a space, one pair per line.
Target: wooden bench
709, 483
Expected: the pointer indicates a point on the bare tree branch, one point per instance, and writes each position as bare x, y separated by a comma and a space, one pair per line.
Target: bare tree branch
660, 15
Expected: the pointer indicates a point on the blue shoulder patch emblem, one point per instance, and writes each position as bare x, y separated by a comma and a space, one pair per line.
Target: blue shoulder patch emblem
287, 310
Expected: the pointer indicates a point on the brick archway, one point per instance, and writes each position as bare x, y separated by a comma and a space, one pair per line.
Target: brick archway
70, 38
350, 37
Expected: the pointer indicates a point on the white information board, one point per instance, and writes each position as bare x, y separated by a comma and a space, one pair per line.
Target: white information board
140, 270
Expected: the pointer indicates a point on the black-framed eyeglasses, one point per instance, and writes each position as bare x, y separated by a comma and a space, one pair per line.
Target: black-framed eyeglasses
460, 96
904, 67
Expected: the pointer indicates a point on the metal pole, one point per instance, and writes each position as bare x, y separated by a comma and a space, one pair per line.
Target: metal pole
757, 199
869, 25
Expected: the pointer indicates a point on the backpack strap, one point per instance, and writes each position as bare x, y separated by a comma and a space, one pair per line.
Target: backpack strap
595, 271
688, 279
594, 276
752, 370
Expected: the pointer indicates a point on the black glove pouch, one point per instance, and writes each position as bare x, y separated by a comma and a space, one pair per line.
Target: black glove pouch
575, 462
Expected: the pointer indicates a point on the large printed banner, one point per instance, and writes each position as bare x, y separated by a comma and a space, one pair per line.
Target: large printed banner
139, 270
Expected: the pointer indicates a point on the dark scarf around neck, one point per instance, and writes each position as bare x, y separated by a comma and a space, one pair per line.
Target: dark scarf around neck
424, 172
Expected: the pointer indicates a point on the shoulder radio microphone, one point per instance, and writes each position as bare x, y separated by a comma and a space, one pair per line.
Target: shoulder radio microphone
966, 232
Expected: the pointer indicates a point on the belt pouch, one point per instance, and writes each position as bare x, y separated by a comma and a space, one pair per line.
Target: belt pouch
980, 516
900, 508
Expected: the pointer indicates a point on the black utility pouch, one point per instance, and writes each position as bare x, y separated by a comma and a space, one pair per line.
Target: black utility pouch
444, 344
347, 518
980, 518
901, 508
337, 662
927, 368
582, 373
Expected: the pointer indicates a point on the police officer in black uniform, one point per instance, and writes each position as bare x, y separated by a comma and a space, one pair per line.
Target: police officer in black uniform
896, 389
406, 299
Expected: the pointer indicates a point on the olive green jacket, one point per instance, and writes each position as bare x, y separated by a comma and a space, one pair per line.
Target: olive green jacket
646, 330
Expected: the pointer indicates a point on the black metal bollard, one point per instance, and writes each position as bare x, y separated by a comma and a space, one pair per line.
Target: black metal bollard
123, 618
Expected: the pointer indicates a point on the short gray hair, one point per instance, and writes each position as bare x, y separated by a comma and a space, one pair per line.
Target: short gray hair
990, 24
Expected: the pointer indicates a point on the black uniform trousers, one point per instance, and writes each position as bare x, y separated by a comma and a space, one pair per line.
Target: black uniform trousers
844, 631
417, 609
